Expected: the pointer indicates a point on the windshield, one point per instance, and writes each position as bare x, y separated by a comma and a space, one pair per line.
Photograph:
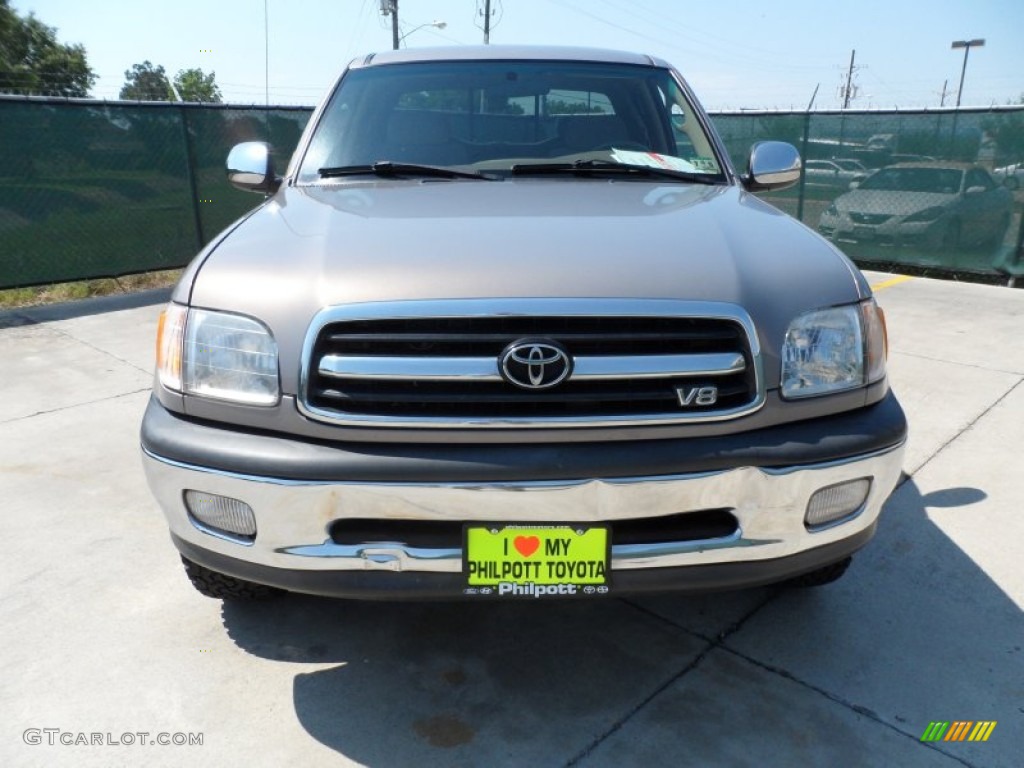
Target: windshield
941, 180
492, 115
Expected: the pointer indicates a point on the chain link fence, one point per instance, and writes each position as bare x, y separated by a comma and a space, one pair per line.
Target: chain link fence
939, 190
93, 189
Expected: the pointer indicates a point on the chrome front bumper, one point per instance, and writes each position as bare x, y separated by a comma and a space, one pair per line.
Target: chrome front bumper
293, 516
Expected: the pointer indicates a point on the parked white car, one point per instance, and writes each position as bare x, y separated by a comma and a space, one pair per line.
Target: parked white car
925, 204
1010, 176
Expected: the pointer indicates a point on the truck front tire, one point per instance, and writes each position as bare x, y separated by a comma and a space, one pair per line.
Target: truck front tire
220, 586
822, 576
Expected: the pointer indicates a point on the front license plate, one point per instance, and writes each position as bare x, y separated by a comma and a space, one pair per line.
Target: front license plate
536, 561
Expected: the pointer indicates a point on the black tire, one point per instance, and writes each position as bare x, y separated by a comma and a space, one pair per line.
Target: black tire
220, 586
821, 576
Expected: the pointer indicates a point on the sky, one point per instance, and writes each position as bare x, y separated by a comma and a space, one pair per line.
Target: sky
736, 54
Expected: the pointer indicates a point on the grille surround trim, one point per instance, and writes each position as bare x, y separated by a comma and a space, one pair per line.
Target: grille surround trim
531, 307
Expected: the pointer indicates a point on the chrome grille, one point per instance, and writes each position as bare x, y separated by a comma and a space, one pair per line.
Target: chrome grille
870, 218
433, 366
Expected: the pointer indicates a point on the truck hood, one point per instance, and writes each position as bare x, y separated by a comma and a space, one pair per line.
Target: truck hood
391, 240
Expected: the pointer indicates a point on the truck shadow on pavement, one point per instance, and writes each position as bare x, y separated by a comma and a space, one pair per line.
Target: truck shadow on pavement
914, 632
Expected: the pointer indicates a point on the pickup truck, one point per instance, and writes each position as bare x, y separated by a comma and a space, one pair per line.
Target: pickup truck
511, 325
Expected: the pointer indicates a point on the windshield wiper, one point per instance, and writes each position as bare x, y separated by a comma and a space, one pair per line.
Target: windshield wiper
586, 167
389, 169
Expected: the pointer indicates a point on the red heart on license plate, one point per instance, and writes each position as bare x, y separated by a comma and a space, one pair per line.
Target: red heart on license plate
526, 545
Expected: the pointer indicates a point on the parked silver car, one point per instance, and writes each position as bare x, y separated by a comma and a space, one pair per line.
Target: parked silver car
930, 204
850, 164
830, 175
512, 326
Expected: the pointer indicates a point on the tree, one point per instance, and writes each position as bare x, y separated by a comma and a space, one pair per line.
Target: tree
144, 82
32, 61
1007, 129
193, 85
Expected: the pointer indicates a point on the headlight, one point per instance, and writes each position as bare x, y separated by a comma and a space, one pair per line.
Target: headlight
170, 333
831, 350
217, 354
928, 214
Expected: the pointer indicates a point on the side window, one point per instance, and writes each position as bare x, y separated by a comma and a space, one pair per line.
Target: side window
559, 102
678, 117
692, 143
976, 178
522, 105
440, 100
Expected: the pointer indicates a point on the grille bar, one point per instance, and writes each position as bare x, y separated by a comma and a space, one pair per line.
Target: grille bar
663, 395
486, 368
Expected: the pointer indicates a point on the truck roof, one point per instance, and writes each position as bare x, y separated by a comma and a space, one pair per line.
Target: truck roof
506, 53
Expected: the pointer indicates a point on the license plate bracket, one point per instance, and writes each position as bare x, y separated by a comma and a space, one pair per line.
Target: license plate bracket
529, 560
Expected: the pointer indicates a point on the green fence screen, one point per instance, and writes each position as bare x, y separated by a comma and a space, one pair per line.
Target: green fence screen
94, 189
936, 190
104, 189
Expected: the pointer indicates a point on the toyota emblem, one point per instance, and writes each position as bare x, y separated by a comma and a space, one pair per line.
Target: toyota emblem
535, 364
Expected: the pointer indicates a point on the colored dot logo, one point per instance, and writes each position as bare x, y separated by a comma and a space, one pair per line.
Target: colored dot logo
206, 50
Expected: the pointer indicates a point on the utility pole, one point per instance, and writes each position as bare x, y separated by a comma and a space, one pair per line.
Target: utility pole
849, 81
487, 22
391, 7
813, 96
266, 53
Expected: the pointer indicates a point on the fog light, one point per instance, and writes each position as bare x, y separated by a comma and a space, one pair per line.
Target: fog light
836, 502
222, 514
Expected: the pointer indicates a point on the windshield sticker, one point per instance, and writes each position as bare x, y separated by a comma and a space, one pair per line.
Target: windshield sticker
652, 160
705, 164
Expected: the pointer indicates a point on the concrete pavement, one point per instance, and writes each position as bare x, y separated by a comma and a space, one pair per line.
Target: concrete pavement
101, 633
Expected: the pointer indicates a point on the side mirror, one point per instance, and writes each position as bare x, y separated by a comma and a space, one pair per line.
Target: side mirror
251, 168
854, 185
772, 165
678, 118
972, 191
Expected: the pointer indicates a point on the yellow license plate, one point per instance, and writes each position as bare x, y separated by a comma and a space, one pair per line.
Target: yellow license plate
536, 561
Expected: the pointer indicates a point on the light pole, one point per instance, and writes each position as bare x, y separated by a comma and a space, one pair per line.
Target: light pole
966, 45
436, 24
